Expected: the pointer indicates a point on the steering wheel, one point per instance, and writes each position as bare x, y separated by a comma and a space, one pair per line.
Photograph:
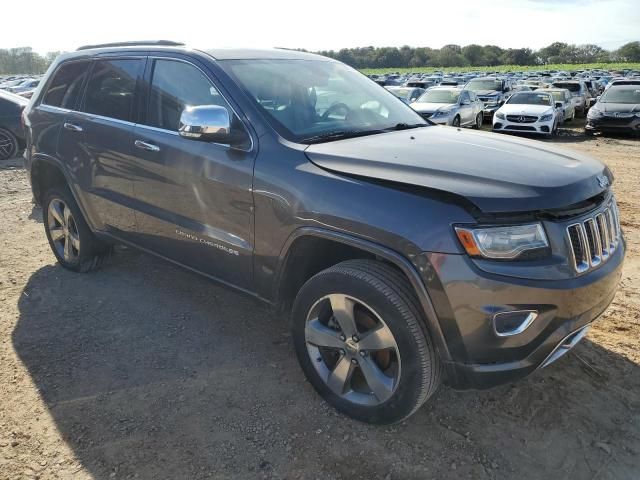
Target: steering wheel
336, 107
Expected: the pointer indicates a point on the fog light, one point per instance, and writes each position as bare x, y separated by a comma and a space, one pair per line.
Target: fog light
506, 324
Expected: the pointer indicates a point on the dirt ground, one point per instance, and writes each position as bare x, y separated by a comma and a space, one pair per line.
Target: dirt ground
144, 370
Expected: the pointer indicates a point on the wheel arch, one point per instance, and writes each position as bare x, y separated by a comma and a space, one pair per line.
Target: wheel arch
45, 172
290, 277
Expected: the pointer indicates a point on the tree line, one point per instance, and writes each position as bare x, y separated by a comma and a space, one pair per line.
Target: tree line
481, 55
25, 60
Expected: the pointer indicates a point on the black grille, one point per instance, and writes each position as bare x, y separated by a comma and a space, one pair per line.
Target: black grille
522, 118
593, 240
525, 128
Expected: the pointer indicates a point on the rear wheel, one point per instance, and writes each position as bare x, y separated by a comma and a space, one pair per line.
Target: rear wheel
72, 242
478, 123
361, 341
8, 144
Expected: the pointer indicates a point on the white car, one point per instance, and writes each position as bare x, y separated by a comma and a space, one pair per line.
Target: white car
528, 112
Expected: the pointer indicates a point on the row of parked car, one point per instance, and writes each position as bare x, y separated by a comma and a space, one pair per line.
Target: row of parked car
23, 85
536, 104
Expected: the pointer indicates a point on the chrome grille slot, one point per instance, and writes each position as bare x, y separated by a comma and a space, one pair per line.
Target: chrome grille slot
594, 240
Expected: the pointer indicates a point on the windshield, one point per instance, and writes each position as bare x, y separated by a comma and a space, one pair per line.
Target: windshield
404, 93
558, 95
307, 99
477, 85
440, 96
530, 98
572, 87
621, 95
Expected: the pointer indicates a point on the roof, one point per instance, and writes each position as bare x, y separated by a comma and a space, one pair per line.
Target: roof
262, 54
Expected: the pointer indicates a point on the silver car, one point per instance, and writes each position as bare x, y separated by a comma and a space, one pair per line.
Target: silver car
450, 106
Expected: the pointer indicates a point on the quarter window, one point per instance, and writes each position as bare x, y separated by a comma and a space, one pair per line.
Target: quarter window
111, 88
65, 88
174, 86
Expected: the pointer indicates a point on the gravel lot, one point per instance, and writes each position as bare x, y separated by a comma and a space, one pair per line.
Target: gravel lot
144, 370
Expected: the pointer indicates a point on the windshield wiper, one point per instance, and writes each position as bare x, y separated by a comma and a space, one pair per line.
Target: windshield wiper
339, 135
407, 126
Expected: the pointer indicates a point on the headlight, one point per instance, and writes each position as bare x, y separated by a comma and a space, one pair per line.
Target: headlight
546, 118
500, 115
491, 101
506, 242
442, 113
594, 112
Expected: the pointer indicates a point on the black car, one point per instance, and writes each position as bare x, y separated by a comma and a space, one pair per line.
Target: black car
617, 110
11, 130
407, 253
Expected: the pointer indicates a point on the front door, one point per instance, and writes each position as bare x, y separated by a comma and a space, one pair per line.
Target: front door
194, 199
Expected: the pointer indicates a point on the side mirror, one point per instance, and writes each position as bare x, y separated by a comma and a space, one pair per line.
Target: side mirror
558, 104
206, 122
466, 102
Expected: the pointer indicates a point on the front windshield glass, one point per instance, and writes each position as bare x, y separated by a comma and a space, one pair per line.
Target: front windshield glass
558, 95
477, 85
307, 99
403, 93
530, 98
440, 96
621, 95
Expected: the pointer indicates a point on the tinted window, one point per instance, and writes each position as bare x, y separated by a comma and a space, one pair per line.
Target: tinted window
174, 86
111, 88
64, 90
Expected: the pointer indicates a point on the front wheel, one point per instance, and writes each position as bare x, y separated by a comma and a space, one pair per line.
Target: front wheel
362, 343
456, 121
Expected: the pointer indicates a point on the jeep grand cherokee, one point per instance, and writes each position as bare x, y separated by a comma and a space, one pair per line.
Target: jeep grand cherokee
407, 253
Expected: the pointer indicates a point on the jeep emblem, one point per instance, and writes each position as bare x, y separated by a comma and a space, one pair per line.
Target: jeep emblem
603, 181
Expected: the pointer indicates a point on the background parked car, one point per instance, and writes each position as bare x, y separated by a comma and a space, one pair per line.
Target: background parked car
580, 95
406, 94
450, 106
617, 110
29, 84
11, 130
528, 112
491, 91
562, 96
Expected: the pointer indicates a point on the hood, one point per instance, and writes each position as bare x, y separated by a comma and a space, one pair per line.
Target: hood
431, 107
519, 109
618, 107
494, 172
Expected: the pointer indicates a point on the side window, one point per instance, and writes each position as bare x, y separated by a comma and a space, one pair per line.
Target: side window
111, 88
464, 97
174, 86
65, 87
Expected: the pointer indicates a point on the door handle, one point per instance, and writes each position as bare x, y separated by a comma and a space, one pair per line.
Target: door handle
146, 146
73, 127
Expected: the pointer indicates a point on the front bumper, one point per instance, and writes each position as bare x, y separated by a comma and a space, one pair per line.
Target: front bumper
613, 124
466, 299
537, 127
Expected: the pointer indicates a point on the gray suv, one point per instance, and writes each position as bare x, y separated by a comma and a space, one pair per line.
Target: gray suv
407, 253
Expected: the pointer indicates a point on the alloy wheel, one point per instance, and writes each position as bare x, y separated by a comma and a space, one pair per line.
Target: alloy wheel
63, 230
7, 146
352, 349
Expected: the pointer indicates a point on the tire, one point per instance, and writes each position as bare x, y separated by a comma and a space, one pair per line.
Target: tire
456, 122
74, 245
478, 123
381, 295
8, 145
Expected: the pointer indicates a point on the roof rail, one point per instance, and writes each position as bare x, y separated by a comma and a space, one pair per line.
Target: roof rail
161, 43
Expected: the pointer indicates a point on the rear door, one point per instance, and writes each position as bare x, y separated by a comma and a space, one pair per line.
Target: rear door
194, 200
96, 141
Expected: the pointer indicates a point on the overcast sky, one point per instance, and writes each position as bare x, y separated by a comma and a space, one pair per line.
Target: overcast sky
48, 25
